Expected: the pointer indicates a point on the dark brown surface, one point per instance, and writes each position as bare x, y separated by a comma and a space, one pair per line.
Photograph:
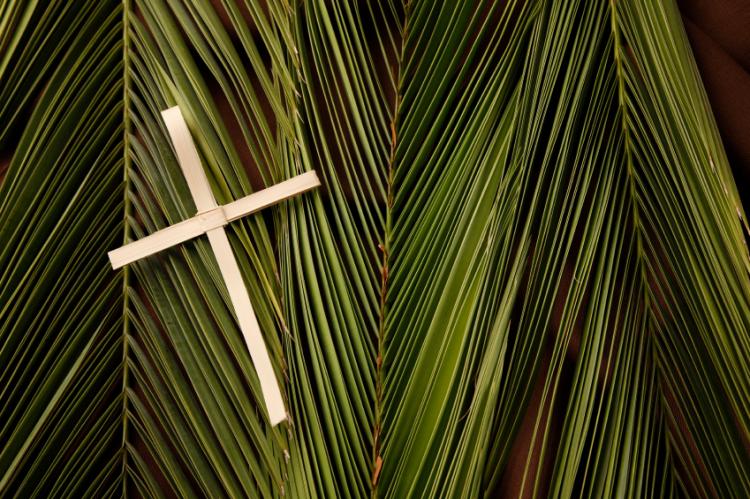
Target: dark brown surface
719, 32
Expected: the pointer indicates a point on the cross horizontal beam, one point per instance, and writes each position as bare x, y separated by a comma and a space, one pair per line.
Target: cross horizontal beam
212, 219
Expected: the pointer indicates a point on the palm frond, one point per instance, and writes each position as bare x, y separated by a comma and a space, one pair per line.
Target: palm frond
330, 251
526, 273
60, 204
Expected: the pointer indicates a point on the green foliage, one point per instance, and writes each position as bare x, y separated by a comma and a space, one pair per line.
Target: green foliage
60, 210
528, 253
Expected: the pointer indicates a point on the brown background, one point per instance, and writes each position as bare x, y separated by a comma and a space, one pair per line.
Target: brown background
719, 31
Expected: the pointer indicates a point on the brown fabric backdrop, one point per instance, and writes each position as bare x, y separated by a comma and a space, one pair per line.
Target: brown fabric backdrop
719, 31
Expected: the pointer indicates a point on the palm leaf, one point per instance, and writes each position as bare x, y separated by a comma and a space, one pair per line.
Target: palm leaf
526, 273
60, 204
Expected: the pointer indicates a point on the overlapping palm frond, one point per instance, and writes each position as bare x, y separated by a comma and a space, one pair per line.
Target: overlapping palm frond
334, 247
60, 210
537, 151
526, 273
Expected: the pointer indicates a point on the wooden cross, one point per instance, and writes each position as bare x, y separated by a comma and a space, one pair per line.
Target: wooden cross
210, 220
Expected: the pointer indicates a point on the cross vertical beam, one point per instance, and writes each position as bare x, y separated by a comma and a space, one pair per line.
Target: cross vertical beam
190, 162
